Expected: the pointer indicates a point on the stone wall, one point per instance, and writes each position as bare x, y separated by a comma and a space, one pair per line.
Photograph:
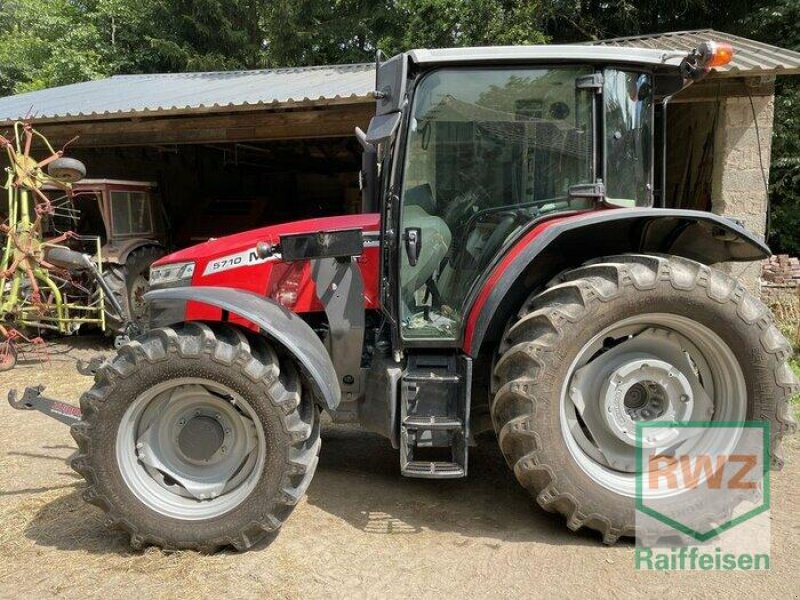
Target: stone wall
741, 164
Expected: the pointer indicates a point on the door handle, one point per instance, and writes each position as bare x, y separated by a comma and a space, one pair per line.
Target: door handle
413, 239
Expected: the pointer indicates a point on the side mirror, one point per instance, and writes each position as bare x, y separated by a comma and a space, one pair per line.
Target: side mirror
413, 239
390, 83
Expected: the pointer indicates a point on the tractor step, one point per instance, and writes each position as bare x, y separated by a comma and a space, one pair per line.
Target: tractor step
432, 423
434, 416
434, 470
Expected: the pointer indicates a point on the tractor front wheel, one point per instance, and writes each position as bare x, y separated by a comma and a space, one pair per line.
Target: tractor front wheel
623, 340
196, 437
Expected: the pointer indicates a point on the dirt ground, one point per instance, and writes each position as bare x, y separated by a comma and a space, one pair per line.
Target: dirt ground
363, 530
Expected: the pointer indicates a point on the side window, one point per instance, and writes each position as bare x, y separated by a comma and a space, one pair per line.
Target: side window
628, 140
488, 150
130, 212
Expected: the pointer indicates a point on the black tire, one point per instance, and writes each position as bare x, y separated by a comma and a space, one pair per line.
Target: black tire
67, 170
122, 282
115, 277
138, 266
245, 364
541, 343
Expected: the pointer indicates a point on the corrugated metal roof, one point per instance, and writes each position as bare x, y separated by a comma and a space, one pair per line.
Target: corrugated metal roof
750, 57
124, 95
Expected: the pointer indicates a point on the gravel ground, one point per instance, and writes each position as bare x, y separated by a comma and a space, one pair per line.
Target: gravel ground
361, 531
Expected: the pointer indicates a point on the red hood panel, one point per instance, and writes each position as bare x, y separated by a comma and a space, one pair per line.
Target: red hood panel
240, 241
232, 262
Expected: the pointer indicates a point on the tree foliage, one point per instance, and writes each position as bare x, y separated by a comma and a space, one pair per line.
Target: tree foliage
46, 43
777, 24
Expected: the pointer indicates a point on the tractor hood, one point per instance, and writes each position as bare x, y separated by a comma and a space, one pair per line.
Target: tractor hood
220, 247
233, 262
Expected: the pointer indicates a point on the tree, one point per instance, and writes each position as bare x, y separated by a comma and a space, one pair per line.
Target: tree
46, 43
312, 32
450, 23
307, 32
777, 24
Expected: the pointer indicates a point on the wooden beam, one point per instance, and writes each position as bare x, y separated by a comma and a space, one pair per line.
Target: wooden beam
321, 122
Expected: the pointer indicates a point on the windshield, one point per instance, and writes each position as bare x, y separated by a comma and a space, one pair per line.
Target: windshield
628, 137
487, 151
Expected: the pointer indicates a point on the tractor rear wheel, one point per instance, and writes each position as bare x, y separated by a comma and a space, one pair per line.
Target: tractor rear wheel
663, 337
196, 437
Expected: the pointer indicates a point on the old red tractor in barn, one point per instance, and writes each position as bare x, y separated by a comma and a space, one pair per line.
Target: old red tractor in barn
514, 270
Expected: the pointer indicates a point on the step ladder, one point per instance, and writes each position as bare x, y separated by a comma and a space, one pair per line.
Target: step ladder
434, 416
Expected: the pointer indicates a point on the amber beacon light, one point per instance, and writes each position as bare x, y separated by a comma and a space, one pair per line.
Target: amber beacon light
716, 54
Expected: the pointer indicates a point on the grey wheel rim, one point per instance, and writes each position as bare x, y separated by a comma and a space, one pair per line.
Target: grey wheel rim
190, 449
654, 368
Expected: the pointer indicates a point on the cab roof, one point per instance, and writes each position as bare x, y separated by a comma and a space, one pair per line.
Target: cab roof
547, 54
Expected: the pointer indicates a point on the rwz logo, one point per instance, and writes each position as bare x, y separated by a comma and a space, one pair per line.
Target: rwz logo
688, 472
699, 489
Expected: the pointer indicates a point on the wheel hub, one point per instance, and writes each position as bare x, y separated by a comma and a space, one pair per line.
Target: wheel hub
645, 390
188, 442
201, 438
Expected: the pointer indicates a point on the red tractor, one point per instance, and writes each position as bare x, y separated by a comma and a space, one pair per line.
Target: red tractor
512, 271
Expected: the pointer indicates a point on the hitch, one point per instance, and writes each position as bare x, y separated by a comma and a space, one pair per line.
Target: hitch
32, 399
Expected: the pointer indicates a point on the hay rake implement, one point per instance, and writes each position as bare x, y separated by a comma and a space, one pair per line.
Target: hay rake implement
44, 285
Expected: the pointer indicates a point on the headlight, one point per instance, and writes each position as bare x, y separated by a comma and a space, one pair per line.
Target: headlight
163, 275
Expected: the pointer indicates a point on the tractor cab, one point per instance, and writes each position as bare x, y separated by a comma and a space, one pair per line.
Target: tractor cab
121, 213
123, 223
474, 145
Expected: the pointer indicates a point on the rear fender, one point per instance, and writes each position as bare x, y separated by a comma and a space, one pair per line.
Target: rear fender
278, 324
563, 243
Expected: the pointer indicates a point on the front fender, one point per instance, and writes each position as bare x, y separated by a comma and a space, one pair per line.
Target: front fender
552, 246
280, 325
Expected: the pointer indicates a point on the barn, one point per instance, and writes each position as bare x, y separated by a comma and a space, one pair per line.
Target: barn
251, 147
266, 146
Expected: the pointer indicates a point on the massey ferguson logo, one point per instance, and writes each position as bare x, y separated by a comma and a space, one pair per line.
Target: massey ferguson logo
245, 258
